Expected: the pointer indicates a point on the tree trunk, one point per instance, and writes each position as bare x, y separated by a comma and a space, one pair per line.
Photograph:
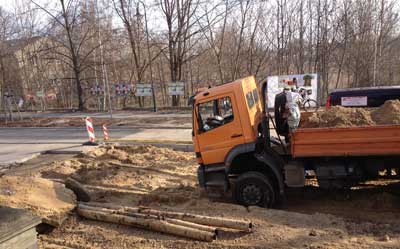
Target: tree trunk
79, 90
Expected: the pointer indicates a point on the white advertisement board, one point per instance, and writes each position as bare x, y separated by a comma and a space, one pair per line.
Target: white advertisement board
354, 101
143, 90
277, 83
176, 88
39, 94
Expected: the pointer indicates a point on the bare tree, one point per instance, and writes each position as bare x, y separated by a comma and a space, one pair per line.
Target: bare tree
8, 80
216, 37
179, 16
348, 43
74, 38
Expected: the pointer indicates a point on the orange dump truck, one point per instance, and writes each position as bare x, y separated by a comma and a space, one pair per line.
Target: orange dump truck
236, 151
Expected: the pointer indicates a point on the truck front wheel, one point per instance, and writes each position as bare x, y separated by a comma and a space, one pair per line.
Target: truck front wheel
254, 189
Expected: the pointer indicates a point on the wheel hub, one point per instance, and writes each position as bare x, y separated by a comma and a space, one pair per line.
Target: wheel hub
252, 194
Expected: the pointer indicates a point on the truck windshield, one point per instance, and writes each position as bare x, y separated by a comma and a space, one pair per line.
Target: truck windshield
215, 113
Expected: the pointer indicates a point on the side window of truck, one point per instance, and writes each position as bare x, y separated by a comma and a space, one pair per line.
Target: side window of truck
255, 94
250, 99
215, 113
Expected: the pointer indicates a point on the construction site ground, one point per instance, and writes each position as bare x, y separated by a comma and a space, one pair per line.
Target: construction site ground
161, 178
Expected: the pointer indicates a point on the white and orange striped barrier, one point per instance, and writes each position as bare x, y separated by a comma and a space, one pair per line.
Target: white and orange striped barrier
90, 131
105, 132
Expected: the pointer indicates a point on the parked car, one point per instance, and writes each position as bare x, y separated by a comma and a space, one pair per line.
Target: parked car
363, 97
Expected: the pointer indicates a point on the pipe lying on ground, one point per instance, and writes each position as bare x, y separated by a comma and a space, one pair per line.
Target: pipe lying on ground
150, 224
82, 194
200, 219
194, 218
148, 216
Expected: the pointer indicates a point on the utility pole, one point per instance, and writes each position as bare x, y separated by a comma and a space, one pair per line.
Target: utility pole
106, 85
149, 57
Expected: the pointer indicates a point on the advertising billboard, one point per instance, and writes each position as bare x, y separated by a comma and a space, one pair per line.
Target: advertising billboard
277, 83
176, 88
143, 90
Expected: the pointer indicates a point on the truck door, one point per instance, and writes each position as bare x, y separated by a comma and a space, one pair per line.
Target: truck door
219, 128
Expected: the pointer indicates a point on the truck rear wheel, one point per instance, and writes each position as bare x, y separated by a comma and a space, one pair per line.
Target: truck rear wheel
254, 189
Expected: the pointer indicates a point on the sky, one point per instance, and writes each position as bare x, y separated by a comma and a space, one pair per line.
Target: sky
9, 4
6, 4
152, 14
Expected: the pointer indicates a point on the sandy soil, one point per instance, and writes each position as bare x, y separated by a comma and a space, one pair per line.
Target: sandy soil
74, 122
49, 200
165, 179
338, 116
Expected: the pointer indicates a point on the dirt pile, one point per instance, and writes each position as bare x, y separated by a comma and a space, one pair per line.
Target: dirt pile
388, 113
166, 179
145, 172
49, 200
338, 116
272, 229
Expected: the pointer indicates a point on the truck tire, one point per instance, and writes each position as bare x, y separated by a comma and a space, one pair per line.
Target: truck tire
254, 189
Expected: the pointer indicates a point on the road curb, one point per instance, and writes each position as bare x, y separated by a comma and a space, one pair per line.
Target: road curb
150, 141
21, 160
185, 147
60, 152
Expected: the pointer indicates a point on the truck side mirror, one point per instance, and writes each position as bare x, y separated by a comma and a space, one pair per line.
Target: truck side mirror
191, 100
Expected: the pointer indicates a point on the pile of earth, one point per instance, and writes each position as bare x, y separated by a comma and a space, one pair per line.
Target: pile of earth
339, 116
47, 199
166, 179
130, 175
388, 113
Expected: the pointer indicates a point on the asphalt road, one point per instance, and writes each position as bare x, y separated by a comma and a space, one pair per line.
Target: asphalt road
21, 144
116, 114
37, 135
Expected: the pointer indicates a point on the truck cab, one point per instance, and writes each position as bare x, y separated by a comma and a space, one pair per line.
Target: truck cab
225, 117
227, 135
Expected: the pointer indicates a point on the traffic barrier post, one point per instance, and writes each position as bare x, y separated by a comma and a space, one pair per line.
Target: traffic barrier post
105, 133
90, 131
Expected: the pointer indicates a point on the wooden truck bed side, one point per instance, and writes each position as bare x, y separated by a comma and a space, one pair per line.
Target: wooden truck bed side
350, 141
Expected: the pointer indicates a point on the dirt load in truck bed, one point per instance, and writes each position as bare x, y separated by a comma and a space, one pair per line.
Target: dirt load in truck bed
339, 116
165, 179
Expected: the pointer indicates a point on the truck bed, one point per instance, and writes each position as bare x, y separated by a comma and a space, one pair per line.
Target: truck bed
349, 141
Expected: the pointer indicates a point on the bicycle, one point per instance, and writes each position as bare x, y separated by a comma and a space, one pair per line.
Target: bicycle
308, 104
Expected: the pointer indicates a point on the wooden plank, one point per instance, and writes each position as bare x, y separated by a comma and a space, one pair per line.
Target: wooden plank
24, 240
17, 228
15, 221
351, 141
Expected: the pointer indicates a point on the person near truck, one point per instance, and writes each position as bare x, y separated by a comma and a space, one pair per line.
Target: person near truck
293, 101
282, 127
